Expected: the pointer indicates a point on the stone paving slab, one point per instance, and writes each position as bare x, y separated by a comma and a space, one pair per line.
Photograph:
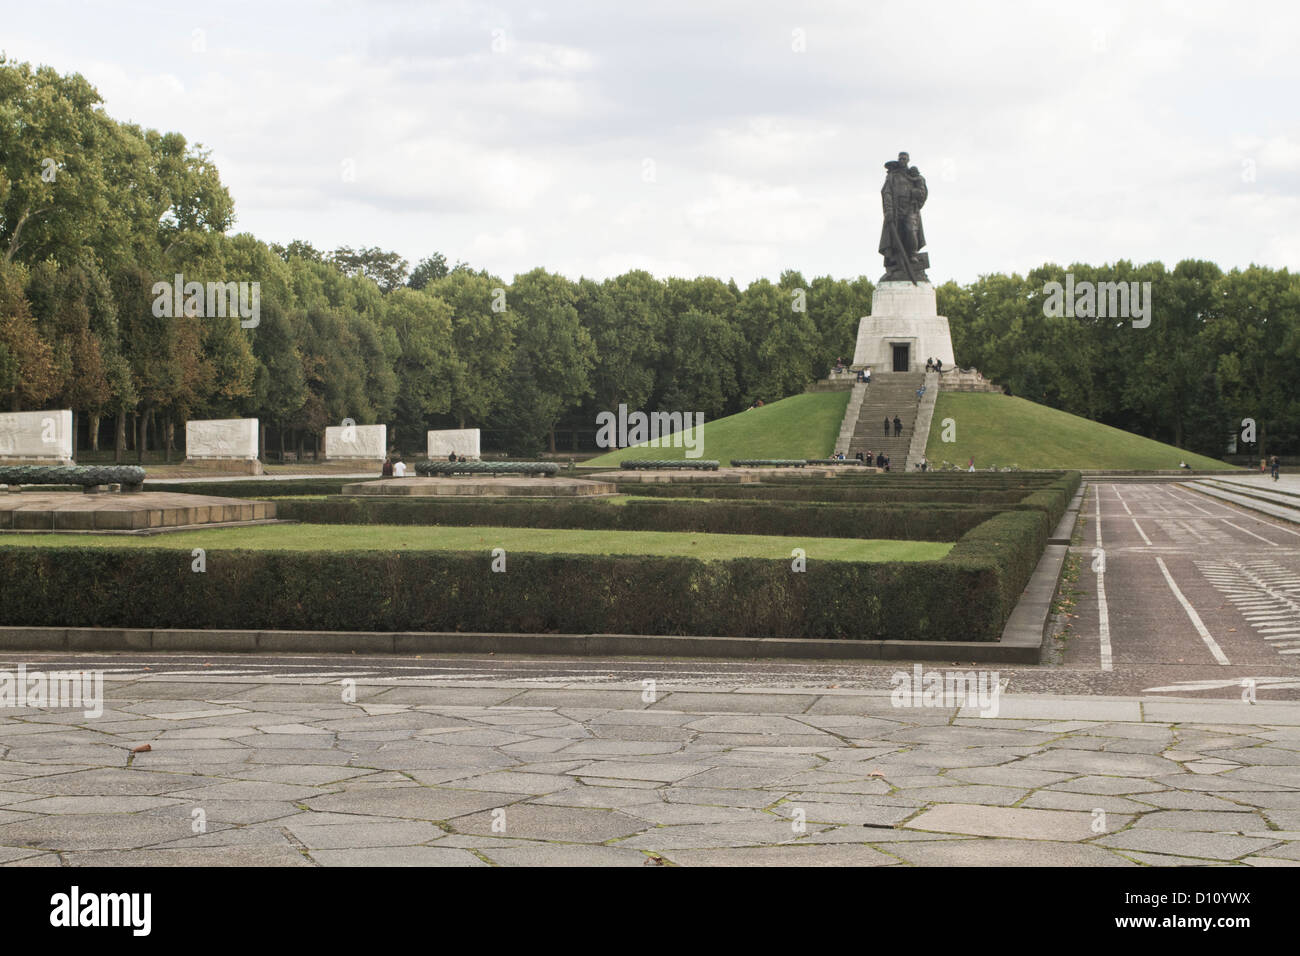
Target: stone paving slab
287, 773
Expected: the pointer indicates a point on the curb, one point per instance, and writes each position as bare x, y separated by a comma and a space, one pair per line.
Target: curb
579, 645
1030, 622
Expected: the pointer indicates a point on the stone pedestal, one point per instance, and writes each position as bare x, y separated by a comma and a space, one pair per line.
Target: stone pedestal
903, 315
227, 466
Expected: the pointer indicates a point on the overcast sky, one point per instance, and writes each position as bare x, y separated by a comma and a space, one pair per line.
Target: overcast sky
716, 138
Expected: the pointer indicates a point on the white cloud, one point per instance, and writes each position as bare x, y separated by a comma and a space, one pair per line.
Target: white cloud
1111, 131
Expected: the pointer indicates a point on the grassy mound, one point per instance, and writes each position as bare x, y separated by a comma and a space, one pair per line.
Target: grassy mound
801, 426
1002, 430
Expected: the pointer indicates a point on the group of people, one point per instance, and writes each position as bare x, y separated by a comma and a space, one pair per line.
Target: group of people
394, 467
864, 373
1274, 466
880, 460
934, 365
898, 426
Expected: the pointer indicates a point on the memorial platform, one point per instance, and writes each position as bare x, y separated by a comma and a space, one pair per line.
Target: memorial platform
145, 512
480, 486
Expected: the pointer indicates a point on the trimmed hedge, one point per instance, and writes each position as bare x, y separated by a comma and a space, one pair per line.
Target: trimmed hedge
966, 596
831, 491
1013, 541
449, 591
85, 476
806, 519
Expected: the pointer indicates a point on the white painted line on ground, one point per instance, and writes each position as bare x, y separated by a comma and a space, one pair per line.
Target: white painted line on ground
1251, 533
1140, 531
1243, 512
1195, 618
1122, 501
1103, 613
1181, 500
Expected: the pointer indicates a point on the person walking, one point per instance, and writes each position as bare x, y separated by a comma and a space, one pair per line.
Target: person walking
886, 426
387, 470
1274, 466
898, 426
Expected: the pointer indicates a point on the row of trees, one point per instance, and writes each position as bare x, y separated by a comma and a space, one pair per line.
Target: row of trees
94, 212
1219, 354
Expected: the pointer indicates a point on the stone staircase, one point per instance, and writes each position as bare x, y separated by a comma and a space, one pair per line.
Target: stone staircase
889, 394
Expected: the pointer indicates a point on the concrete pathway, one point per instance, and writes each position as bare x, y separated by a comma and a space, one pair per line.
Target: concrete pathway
293, 772
1204, 591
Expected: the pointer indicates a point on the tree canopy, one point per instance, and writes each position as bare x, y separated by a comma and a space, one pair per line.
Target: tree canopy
94, 213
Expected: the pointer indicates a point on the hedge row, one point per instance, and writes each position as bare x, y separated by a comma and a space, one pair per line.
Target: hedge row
883, 479
805, 519
1013, 541
829, 492
454, 591
1053, 499
958, 478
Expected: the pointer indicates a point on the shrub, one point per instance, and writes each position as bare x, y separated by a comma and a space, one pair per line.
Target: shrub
454, 591
811, 519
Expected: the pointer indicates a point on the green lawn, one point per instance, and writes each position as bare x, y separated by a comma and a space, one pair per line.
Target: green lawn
801, 426
305, 537
1003, 430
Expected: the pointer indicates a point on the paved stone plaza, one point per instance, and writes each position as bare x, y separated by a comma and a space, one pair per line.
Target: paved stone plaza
284, 772
1142, 754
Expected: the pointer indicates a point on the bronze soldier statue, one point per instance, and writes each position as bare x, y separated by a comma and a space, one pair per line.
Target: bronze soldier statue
902, 237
